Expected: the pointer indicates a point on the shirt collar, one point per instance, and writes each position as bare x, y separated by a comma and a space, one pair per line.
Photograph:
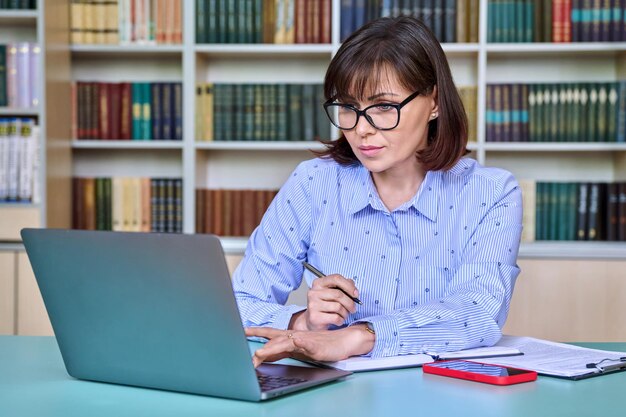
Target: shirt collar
425, 201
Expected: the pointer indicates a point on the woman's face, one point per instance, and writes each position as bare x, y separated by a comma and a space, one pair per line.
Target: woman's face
387, 151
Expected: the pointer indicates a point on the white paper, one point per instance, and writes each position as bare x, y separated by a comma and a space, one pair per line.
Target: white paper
363, 363
551, 358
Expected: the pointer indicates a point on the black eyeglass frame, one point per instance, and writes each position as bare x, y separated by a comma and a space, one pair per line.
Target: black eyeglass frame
360, 113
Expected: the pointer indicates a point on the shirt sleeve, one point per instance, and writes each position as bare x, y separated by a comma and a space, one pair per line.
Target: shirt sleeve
476, 301
272, 264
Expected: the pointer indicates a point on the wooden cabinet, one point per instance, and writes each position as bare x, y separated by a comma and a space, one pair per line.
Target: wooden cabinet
22, 311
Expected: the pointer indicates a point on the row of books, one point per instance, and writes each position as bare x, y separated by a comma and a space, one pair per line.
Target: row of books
261, 112
127, 111
450, 20
18, 4
276, 112
19, 75
126, 21
128, 204
19, 162
575, 210
231, 212
556, 112
263, 21
556, 21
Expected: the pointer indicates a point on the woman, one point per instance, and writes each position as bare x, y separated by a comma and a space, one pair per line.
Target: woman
391, 212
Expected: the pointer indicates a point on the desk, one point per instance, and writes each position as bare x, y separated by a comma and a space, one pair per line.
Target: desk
33, 382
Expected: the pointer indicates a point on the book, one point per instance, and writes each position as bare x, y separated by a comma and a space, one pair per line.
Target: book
366, 363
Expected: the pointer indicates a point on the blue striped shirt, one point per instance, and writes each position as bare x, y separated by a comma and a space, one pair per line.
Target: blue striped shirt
435, 274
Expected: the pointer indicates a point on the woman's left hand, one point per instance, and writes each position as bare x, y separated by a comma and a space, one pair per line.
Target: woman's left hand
323, 345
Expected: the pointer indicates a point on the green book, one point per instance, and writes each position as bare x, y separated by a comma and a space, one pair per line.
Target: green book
249, 105
582, 113
218, 105
137, 99
322, 129
231, 21
529, 20
201, 21
575, 107
257, 12
554, 113
540, 214
602, 113
212, 23
520, 20
611, 111
100, 205
258, 113
553, 209
281, 112
592, 113
544, 103
572, 205
272, 105
267, 112
146, 113
228, 103
562, 111
108, 204
563, 211
547, 21
491, 21
308, 117
222, 21
582, 212
295, 112
238, 112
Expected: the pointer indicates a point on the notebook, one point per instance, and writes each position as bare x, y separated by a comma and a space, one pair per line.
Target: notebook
365, 363
153, 310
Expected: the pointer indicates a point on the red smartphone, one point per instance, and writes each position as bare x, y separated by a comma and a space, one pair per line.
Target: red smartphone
480, 372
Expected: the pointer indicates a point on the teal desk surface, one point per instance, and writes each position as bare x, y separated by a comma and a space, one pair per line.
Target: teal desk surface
33, 382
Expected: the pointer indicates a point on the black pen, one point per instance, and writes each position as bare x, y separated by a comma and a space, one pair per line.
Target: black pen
320, 274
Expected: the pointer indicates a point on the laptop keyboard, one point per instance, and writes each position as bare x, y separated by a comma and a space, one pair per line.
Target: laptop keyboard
270, 382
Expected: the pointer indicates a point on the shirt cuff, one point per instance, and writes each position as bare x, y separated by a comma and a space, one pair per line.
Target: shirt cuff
387, 336
282, 319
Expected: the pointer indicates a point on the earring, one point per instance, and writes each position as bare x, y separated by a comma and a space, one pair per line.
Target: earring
434, 115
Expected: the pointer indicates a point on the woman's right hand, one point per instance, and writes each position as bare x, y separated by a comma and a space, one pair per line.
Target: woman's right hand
326, 304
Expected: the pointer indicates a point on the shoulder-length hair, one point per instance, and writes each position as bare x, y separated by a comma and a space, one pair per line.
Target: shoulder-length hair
406, 46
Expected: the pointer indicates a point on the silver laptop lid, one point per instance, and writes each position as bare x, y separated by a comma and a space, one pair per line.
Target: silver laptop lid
172, 339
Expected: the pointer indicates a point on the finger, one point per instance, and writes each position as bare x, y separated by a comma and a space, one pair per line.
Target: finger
330, 307
274, 350
337, 281
334, 296
266, 332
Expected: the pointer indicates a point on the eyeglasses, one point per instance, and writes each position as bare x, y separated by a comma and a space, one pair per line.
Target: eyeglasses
383, 116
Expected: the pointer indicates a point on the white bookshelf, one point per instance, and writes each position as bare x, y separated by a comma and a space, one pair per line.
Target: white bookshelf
266, 164
54, 154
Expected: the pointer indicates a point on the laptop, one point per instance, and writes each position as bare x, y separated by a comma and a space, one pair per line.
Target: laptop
153, 310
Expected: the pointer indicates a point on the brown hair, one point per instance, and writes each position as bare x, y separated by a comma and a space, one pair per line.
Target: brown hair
407, 46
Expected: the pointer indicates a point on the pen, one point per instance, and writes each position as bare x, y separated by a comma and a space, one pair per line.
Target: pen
320, 274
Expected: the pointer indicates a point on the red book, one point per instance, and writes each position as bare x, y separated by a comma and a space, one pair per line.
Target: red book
326, 19
557, 20
566, 20
300, 21
237, 213
115, 103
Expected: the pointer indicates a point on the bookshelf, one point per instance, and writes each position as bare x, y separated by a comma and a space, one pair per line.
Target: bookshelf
265, 165
45, 26
227, 164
